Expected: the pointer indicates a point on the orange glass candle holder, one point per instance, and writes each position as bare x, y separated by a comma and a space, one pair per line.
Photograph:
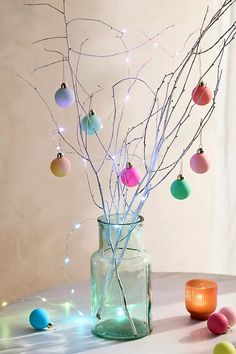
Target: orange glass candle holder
200, 298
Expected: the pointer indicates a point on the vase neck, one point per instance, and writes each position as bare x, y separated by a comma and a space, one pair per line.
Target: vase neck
115, 234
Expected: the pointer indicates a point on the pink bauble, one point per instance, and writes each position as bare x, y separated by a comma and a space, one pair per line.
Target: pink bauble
230, 314
60, 166
130, 176
199, 162
202, 94
217, 323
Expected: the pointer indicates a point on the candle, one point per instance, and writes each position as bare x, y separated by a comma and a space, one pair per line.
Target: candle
200, 298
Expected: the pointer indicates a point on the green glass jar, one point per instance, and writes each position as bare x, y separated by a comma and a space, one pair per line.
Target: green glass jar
121, 281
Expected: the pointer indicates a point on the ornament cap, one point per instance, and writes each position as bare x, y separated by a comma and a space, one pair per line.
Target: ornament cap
180, 177
59, 155
201, 83
129, 165
51, 326
200, 151
91, 112
63, 85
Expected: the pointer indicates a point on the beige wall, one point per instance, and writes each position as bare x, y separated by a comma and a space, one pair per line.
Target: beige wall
37, 209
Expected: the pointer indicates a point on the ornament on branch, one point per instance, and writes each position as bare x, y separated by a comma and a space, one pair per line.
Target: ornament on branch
91, 124
199, 162
64, 97
60, 166
39, 319
180, 188
202, 94
130, 176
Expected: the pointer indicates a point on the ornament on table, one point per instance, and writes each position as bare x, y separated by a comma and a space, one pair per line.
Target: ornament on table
230, 313
224, 348
218, 323
91, 124
64, 96
130, 175
39, 319
199, 162
202, 94
60, 166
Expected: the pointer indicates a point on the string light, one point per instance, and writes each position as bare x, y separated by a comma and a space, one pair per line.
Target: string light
124, 30
77, 226
58, 148
155, 44
72, 291
127, 97
66, 260
4, 303
61, 129
127, 59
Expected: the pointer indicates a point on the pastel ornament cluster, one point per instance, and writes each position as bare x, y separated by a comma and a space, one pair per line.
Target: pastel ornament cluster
199, 163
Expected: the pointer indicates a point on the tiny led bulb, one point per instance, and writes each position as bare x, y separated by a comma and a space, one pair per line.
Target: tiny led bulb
77, 226
4, 303
66, 260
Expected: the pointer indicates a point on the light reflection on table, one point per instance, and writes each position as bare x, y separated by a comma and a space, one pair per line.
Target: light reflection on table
174, 332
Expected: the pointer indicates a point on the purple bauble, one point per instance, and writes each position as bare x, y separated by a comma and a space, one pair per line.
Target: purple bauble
64, 97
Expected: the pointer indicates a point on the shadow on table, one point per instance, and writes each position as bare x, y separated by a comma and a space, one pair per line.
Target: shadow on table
197, 335
172, 323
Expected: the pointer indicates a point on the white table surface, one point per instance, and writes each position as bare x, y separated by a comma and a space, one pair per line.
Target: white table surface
174, 332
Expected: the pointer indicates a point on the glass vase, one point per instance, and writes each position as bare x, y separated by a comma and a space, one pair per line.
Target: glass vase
121, 281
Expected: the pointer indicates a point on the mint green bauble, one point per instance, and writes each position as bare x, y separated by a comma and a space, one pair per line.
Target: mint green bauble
91, 124
224, 348
180, 189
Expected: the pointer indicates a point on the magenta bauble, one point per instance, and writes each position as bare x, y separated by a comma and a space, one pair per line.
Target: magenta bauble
230, 313
199, 162
130, 176
202, 94
218, 323
60, 166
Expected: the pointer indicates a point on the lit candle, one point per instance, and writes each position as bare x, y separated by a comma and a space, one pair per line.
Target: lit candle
200, 298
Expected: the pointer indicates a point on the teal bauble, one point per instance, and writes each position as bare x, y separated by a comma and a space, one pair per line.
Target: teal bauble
180, 189
39, 319
91, 124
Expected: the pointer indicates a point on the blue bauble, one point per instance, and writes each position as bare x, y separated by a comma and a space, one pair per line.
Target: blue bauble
39, 319
91, 124
64, 97
180, 189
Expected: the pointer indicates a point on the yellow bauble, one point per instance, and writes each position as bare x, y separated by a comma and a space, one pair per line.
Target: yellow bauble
60, 166
224, 348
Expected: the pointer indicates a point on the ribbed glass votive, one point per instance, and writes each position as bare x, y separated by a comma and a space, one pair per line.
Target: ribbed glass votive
200, 298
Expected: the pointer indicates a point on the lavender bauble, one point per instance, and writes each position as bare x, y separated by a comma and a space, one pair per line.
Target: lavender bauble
64, 97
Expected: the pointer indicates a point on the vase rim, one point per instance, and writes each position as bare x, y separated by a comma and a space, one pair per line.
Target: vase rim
101, 220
